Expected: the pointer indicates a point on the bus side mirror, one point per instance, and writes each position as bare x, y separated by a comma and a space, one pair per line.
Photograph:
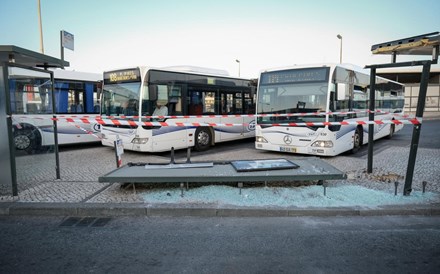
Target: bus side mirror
152, 92
341, 90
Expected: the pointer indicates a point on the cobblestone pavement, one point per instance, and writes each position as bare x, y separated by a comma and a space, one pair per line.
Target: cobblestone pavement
82, 165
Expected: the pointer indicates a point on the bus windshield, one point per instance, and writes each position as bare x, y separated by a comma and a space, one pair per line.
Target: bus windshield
121, 99
292, 98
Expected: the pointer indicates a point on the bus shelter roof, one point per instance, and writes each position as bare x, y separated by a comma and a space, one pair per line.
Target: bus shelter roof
415, 45
21, 56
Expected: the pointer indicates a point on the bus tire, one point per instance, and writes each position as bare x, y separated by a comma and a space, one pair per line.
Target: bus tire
392, 130
27, 138
357, 140
203, 139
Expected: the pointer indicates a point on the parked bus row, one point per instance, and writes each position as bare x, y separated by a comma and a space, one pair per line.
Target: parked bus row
195, 95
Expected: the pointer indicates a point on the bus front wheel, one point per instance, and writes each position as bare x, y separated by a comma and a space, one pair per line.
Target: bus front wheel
392, 130
203, 139
357, 140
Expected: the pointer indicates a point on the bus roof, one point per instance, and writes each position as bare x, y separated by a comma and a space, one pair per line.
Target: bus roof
198, 70
184, 69
343, 65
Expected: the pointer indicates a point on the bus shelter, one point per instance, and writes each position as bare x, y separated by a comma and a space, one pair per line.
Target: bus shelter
26, 108
421, 45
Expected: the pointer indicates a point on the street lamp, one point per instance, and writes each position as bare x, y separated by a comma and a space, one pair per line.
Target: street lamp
340, 50
41, 28
238, 61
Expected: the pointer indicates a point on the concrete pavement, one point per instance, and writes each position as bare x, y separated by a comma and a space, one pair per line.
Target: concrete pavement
79, 193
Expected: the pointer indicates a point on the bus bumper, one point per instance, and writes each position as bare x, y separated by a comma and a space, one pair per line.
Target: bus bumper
318, 151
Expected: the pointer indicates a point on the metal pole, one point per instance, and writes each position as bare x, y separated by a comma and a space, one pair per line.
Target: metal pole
41, 28
238, 61
3, 80
340, 48
62, 48
417, 128
55, 129
371, 118
340, 53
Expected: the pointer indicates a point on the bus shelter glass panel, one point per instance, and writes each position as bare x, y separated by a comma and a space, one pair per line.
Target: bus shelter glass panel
31, 107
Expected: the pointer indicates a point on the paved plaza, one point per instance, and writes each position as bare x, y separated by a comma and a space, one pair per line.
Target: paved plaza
81, 166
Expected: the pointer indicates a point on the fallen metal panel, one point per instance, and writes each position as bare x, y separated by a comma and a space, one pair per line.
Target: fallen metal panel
310, 169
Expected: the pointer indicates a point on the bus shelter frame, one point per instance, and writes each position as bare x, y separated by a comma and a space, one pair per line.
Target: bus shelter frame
13, 56
408, 46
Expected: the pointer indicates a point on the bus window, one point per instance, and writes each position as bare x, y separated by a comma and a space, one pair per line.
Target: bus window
248, 104
238, 103
76, 101
195, 106
208, 102
175, 100
230, 108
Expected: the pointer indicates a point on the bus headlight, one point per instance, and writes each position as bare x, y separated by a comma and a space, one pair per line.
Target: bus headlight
140, 141
322, 144
260, 139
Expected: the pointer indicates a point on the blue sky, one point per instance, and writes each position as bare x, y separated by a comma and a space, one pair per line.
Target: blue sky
113, 34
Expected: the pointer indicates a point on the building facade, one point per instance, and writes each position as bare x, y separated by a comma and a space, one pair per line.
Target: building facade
411, 78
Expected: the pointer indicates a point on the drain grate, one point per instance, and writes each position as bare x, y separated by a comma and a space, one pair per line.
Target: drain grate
101, 222
87, 221
84, 222
71, 221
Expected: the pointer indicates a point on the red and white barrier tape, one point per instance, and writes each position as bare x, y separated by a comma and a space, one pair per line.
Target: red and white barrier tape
414, 121
85, 130
120, 120
255, 115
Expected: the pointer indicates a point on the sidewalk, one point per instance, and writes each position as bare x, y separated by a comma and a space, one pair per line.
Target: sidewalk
148, 210
79, 193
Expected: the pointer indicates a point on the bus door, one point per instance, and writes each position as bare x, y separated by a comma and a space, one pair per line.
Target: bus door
203, 102
232, 104
165, 137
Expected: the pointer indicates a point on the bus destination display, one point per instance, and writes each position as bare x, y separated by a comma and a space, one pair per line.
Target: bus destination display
295, 76
121, 76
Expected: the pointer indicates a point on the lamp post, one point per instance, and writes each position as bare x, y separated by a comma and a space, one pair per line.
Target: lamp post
340, 48
41, 28
238, 61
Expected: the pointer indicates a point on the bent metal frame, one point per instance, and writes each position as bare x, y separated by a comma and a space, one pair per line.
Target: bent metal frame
425, 44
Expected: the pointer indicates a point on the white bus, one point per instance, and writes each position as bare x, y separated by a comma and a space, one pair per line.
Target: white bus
338, 92
190, 94
76, 94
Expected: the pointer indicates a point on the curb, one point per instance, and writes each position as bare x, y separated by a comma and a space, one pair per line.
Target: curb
148, 210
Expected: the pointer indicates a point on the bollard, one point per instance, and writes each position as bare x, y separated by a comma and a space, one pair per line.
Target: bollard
172, 156
325, 184
188, 155
240, 185
424, 186
396, 184
182, 185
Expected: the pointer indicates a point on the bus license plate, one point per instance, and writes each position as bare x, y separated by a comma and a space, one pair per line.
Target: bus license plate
288, 149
